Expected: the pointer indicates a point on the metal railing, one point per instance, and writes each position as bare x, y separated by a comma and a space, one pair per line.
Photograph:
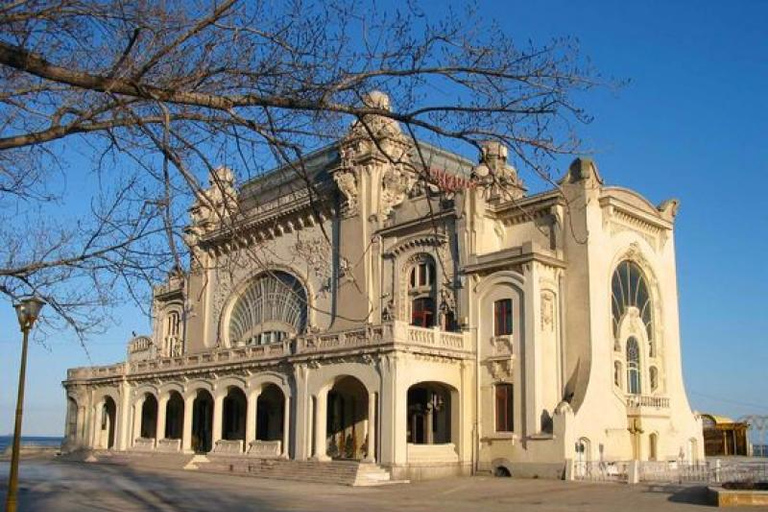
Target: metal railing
704, 472
658, 402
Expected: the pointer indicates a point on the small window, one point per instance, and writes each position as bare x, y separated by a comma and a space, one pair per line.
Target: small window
502, 317
654, 375
617, 374
172, 324
423, 274
504, 408
423, 312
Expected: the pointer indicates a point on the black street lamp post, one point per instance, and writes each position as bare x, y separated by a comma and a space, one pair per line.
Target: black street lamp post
27, 310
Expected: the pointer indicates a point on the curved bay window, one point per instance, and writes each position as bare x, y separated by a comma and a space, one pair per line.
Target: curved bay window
422, 292
633, 366
272, 308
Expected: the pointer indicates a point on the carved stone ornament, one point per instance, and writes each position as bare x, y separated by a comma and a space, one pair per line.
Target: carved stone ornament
501, 369
395, 185
547, 311
212, 205
316, 253
347, 182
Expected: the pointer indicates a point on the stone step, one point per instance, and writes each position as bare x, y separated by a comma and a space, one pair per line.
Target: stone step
333, 472
337, 472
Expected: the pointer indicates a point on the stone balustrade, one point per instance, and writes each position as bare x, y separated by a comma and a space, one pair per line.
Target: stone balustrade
265, 449
657, 402
393, 333
95, 372
228, 447
169, 445
144, 444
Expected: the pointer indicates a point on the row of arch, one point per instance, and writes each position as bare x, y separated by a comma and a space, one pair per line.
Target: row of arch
343, 415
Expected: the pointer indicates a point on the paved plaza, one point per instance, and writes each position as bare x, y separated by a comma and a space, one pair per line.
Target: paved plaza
52, 486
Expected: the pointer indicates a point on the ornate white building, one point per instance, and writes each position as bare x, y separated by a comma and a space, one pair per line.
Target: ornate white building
347, 308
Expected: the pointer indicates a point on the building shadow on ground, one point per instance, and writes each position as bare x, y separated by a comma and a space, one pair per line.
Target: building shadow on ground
678, 493
87, 488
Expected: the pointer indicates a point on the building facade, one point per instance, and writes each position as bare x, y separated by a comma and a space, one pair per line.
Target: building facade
396, 303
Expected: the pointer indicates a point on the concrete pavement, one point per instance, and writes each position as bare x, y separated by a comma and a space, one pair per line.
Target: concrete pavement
53, 486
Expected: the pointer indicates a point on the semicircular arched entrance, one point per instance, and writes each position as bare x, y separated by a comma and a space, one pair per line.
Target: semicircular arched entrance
347, 419
107, 423
202, 422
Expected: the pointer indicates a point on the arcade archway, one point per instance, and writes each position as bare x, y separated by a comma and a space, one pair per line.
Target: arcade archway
347, 419
202, 422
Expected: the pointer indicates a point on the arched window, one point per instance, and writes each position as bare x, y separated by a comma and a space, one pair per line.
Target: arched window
653, 373
422, 291
273, 307
172, 322
633, 366
172, 343
630, 290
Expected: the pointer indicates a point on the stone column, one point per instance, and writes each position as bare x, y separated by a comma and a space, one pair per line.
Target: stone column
251, 412
162, 406
286, 426
136, 432
218, 406
186, 436
428, 423
122, 417
95, 424
80, 438
320, 419
371, 455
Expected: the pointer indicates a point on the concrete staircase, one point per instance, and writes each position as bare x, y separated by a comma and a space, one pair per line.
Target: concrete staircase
133, 459
330, 472
335, 472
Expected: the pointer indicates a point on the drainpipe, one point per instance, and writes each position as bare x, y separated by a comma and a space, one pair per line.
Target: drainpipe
476, 444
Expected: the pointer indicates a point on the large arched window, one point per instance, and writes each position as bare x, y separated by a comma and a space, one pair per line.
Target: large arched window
273, 307
633, 366
630, 290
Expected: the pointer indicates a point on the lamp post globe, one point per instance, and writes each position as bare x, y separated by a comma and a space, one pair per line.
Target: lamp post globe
27, 311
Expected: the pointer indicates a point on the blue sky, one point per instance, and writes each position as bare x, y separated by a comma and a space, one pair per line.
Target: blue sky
692, 123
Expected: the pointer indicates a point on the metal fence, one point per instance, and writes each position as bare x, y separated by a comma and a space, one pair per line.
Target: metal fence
708, 472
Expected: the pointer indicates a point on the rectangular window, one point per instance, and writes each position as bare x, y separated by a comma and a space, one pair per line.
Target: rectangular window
502, 317
504, 408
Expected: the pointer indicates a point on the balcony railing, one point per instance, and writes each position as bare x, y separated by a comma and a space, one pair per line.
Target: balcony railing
393, 334
657, 402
